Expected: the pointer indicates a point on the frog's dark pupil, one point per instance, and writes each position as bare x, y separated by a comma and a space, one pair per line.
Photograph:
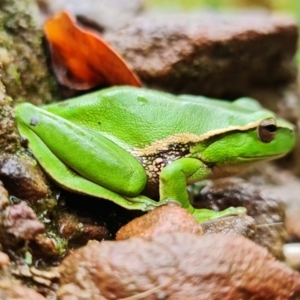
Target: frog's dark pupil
271, 128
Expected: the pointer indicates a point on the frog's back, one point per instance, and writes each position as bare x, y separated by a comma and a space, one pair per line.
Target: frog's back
139, 117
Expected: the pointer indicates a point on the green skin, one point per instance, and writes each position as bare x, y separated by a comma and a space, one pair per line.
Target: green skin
127, 144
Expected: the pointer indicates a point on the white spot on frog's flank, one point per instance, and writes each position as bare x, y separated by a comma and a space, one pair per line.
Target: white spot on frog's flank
158, 160
155, 162
33, 121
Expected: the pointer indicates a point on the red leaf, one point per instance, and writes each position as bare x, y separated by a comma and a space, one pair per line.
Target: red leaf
81, 59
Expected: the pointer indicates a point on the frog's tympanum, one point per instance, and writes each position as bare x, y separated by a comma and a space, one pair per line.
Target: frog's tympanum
129, 145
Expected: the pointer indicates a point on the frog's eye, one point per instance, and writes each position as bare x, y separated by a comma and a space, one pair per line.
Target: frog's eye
266, 130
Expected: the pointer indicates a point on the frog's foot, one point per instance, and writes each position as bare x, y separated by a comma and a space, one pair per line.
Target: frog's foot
203, 215
143, 203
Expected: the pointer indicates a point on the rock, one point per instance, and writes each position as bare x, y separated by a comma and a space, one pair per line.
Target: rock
292, 221
38, 277
20, 221
104, 14
80, 212
268, 212
80, 230
4, 259
163, 219
287, 189
4, 200
10, 290
9, 139
222, 55
93, 232
68, 230
176, 266
237, 225
45, 247
284, 186
23, 178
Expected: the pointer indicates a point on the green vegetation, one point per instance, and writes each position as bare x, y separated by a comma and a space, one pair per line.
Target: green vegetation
289, 6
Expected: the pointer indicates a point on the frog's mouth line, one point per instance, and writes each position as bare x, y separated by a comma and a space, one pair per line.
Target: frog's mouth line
262, 157
246, 159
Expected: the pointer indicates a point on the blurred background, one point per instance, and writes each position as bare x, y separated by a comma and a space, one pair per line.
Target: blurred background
292, 6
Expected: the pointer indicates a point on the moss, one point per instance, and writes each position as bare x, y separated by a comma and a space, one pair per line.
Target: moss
26, 74
9, 139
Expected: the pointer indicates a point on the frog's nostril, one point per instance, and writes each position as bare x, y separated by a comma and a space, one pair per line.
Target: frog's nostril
34, 121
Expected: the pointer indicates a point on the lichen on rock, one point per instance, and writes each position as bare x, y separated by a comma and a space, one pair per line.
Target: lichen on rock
9, 139
26, 74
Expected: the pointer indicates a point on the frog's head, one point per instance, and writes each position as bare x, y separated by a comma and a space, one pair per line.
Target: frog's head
266, 139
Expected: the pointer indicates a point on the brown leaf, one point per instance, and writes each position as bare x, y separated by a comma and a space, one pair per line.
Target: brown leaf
81, 59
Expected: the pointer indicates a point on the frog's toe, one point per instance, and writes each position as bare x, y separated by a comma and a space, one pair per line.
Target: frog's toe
203, 215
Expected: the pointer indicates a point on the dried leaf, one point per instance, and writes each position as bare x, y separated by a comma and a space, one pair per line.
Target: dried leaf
81, 59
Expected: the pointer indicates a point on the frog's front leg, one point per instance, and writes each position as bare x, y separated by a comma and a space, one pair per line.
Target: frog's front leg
173, 182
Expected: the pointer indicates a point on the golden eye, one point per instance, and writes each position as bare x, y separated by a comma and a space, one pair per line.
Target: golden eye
266, 130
